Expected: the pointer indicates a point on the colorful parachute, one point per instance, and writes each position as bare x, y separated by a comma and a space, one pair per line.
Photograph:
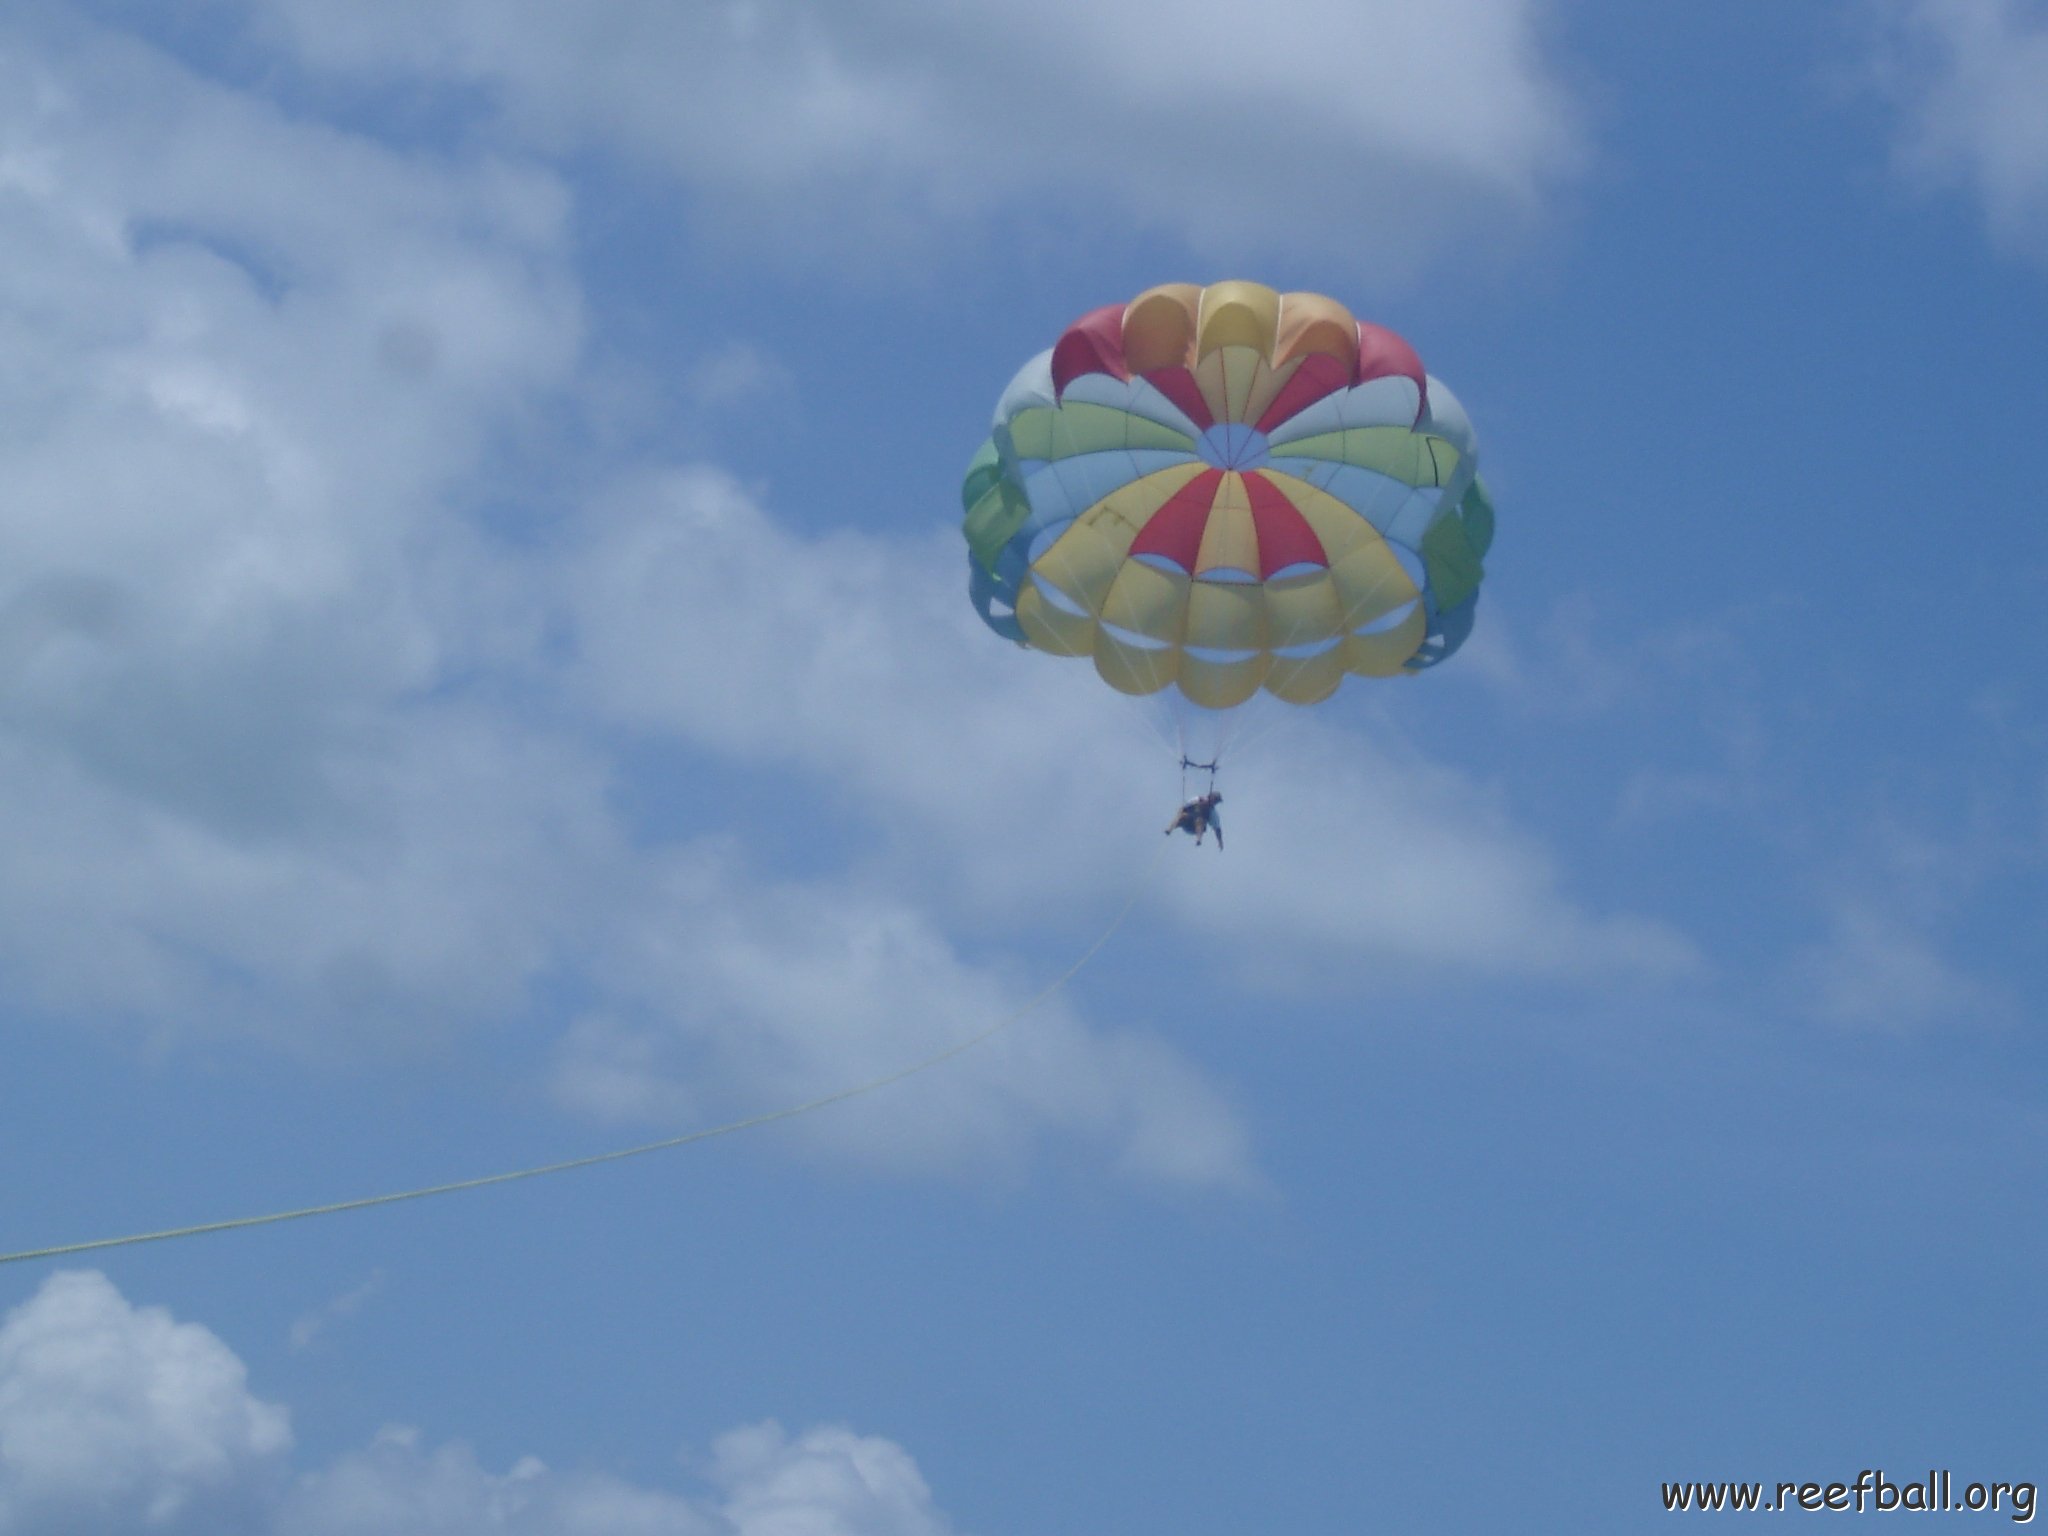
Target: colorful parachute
1224, 489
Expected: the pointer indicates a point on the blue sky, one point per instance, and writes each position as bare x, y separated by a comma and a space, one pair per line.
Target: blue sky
487, 678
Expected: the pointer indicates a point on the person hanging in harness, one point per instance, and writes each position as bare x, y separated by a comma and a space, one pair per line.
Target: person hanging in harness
1199, 817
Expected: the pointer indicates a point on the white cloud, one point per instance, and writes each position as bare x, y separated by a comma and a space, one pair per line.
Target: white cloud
1889, 911
311, 1325
280, 753
293, 745
736, 373
1009, 779
1345, 850
1875, 969
397, 1487
248, 365
1970, 78
1375, 126
731, 996
827, 1482
692, 605
117, 1419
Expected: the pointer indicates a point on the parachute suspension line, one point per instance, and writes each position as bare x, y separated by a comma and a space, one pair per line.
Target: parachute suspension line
1147, 711
790, 1112
1255, 725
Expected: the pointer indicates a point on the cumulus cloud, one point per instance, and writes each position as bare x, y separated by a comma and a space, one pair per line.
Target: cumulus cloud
1970, 79
249, 364
771, 1483
752, 995
1209, 120
116, 1419
401, 1486
297, 741
762, 1481
281, 751
884, 681
1354, 849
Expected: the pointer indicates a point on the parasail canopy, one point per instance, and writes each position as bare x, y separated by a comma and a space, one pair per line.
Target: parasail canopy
1223, 489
